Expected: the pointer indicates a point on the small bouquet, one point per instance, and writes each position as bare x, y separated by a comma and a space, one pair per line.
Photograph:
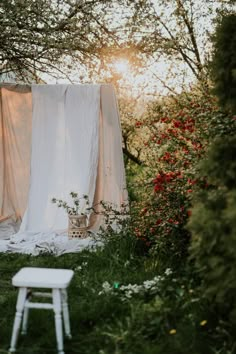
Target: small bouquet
74, 209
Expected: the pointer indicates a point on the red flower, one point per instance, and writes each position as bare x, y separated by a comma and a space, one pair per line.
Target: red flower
192, 181
167, 156
164, 136
137, 232
159, 179
186, 163
169, 176
177, 124
163, 120
143, 211
197, 146
158, 188
185, 150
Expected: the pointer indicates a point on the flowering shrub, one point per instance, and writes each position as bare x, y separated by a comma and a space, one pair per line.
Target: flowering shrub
176, 138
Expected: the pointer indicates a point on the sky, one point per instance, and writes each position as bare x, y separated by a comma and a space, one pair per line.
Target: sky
149, 79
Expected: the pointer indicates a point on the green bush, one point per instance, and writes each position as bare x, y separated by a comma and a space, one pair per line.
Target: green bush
223, 65
213, 227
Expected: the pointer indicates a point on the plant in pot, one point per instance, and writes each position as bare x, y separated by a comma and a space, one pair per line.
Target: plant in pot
78, 217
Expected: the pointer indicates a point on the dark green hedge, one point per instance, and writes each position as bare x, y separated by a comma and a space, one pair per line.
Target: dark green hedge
223, 66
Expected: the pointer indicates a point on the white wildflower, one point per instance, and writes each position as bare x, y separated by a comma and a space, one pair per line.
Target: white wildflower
107, 287
78, 268
148, 284
131, 288
128, 294
168, 271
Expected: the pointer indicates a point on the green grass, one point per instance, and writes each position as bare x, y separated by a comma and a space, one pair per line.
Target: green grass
103, 324
89, 313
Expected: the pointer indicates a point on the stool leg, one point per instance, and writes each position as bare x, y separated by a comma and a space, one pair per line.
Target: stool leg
56, 295
66, 313
26, 314
17, 322
25, 321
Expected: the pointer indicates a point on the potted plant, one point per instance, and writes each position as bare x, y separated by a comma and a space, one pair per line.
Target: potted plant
78, 219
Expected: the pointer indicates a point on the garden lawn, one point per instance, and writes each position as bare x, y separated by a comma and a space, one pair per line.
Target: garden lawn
161, 316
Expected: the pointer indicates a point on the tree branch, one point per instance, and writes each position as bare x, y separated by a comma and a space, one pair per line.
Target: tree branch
132, 157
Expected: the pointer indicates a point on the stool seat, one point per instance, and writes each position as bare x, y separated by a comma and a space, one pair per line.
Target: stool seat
43, 278
57, 280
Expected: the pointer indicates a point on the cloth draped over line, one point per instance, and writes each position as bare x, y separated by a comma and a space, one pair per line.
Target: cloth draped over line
15, 149
55, 139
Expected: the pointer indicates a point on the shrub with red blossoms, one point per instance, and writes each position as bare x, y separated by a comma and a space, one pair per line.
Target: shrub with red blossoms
178, 135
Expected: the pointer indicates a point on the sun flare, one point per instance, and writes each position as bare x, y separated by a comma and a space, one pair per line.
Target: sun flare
121, 66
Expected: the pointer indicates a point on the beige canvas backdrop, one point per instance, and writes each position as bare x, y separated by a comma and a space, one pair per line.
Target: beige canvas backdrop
15, 149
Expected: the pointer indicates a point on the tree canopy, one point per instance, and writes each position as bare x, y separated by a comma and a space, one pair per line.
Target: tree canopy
44, 35
54, 36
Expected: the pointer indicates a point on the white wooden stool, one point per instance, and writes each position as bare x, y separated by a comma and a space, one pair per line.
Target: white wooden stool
45, 278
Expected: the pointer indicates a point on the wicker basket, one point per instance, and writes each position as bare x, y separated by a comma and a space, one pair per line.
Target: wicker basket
77, 226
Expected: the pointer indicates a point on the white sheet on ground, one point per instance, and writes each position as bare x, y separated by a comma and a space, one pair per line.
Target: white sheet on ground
53, 243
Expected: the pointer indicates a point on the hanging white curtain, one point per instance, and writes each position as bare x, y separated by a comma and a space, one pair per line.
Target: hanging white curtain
64, 158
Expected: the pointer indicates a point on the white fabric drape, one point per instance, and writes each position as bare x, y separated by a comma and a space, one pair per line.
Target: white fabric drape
76, 146
64, 151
